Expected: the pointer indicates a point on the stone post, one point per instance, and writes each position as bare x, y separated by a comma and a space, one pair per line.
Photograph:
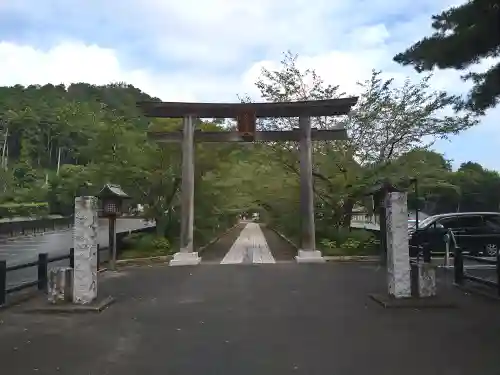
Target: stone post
186, 255
426, 280
85, 250
60, 288
308, 252
398, 257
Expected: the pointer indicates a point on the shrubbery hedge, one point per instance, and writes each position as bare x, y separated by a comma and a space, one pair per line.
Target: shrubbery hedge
141, 245
8, 210
349, 242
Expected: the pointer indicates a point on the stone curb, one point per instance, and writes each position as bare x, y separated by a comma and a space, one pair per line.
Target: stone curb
146, 260
161, 258
388, 302
201, 249
334, 258
352, 258
164, 258
69, 308
284, 238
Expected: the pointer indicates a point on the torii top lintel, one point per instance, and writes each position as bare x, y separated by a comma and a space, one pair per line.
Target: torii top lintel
311, 108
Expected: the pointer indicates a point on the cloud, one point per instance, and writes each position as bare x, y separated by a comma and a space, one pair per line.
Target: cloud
212, 50
76, 62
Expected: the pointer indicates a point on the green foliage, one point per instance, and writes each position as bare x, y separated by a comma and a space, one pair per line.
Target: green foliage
141, 245
341, 241
463, 36
8, 210
389, 122
56, 140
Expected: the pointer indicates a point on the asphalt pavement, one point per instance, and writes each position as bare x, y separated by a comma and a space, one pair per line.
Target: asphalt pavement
276, 319
279, 318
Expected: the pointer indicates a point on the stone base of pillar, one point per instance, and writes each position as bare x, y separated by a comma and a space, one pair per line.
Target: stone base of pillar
310, 256
388, 301
96, 306
183, 258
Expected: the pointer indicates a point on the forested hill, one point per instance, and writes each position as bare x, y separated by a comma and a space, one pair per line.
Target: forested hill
47, 125
40, 121
54, 140
46, 131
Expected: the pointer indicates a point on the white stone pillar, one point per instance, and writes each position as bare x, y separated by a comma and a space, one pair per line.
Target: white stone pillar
85, 245
398, 257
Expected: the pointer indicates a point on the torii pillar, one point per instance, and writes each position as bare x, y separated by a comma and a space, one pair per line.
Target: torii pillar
307, 252
246, 114
186, 254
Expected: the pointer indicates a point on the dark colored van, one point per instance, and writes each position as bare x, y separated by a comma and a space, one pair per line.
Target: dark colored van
476, 232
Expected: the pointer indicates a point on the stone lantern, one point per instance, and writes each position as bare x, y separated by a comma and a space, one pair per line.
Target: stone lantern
112, 198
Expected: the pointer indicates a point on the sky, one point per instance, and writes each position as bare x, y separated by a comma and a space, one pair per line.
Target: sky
213, 50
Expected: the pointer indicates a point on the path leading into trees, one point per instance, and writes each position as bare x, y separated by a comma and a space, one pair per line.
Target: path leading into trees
249, 243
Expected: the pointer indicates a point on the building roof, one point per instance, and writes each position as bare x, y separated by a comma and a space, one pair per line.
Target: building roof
111, 190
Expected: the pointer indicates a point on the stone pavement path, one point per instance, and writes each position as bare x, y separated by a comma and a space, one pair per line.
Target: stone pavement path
285, 318
249, 247
249, 243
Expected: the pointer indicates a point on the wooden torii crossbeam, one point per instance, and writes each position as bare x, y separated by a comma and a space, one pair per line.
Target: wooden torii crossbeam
246, 115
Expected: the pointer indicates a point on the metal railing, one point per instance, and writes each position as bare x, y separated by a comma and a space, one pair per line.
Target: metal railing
460, 273
42, 265
361, 217
15, 228
44, 260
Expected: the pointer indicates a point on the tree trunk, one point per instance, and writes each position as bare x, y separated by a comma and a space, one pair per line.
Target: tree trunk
347, 212
58, 160
161, 225
3, 164
6, 166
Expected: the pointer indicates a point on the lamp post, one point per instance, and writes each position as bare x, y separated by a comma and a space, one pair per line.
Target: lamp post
414, 181
112, 198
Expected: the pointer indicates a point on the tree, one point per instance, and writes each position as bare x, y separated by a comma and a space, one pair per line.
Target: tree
464, 35
389, 121
478, 188
54, 139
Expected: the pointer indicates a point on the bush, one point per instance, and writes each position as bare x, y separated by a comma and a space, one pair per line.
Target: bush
24, 210
329, 247
146, 245
349, 242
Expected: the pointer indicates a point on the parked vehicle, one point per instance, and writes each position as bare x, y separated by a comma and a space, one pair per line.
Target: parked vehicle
412, 223
477, 232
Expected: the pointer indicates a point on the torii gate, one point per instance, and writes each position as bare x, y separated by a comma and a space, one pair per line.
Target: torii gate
246, 115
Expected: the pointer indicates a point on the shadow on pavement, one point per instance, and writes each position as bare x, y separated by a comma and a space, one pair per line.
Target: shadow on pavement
276, 319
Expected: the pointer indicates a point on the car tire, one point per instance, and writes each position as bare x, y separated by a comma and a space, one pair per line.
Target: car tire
490, 250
